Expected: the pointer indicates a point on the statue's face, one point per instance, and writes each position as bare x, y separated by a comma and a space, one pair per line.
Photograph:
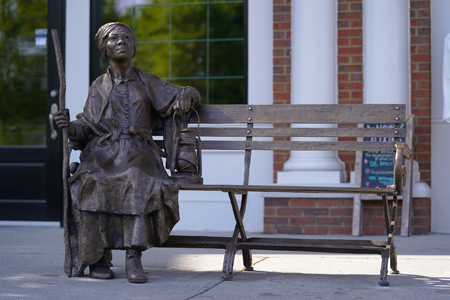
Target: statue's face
119, 45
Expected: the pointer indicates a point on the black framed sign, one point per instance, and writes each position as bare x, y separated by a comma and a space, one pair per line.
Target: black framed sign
377, 168
374, 169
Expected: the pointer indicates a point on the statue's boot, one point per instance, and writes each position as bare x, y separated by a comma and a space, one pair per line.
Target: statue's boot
133, 266
101, 269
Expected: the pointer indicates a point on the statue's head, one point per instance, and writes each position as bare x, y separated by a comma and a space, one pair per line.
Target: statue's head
103, 32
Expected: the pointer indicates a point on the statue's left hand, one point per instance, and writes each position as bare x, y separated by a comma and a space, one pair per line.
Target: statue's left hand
182, 105
186, 100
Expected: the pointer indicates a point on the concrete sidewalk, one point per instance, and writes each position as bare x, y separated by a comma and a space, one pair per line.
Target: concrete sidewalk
31, 267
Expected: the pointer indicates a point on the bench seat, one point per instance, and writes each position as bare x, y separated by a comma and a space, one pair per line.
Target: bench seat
242, 189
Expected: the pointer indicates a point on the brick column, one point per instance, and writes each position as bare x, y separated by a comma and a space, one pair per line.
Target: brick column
350, 64
281, 68
421, 84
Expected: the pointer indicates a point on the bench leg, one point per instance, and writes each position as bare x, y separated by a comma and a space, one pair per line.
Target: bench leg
228, 261
239, 229
230, 254
384, 266
393, 256
390, 228
246, 253
393, 252
390, 251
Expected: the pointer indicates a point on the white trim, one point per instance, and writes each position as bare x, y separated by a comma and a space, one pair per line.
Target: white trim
439, 121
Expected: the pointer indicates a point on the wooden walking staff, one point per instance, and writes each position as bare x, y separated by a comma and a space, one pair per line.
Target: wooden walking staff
65, 173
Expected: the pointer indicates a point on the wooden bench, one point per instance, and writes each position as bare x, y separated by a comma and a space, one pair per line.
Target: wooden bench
235, 127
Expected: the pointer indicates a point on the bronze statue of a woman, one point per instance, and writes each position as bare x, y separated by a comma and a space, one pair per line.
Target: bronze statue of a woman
121, 195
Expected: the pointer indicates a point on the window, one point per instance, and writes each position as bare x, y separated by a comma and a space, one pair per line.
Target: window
188, 42
23, 72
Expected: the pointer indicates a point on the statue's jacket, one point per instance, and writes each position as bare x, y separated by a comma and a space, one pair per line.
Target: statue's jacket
121, 185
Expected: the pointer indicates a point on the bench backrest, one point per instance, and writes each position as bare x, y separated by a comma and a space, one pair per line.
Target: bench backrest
228, 123
242, 120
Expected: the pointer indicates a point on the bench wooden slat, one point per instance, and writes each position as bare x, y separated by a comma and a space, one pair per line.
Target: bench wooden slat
211, 242
329, 242
303, 132
310, 247
279, 244
301, 146
304, 113
239, 189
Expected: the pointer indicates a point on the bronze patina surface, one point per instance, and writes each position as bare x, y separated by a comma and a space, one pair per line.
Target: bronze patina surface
121, 195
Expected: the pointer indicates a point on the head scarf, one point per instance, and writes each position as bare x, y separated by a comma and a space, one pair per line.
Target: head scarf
103, 32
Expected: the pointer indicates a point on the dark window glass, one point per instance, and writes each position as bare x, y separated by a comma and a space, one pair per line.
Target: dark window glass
189, 42
23, 72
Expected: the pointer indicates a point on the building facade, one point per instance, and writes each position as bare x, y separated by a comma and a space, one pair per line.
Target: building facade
318, 52
378, 52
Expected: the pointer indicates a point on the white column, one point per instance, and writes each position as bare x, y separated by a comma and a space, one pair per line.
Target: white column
313, 81
386, 52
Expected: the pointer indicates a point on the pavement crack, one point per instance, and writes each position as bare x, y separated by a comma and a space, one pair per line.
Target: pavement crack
218, 283
207, 290
261, 260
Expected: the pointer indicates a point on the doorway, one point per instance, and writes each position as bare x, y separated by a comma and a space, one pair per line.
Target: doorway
30, 150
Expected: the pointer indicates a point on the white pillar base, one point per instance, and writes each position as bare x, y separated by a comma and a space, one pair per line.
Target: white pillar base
312, 167
299, 162
309, 177
419, 189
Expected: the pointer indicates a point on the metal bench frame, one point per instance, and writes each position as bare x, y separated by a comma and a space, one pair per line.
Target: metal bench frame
307, 116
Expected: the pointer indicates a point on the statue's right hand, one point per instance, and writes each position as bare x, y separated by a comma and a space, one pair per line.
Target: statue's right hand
62, 118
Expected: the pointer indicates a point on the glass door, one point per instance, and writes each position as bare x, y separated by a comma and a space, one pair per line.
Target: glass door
30, 184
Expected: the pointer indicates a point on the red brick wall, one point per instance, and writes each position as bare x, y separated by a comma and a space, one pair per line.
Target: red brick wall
281, 66
421, 84
350, 50
308, 216
350, 62
373, 217
421, 216
334, 216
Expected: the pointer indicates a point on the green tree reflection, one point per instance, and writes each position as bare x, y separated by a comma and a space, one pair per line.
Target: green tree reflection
197, 43
23, 73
